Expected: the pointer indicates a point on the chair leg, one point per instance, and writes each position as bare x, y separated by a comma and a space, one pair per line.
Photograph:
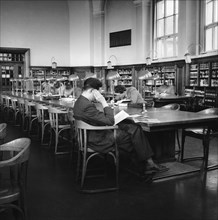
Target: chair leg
182, 148
206, 143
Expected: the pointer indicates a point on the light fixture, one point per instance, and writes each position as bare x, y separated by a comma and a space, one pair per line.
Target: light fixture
188, 53
109, 62
53, 63
61, 78
144, 74
89, 75
149, 59
112, 76
73, 77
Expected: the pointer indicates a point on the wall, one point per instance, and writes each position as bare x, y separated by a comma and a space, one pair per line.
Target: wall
80, 33
42, 26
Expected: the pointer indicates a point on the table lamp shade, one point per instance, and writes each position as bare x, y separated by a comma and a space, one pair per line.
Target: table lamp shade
73, 77
113, 75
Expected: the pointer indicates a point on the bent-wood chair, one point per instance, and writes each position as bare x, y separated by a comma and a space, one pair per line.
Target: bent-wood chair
205, 134
13, 167
87, 153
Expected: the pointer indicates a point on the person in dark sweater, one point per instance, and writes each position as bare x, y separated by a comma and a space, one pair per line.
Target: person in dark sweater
130, 136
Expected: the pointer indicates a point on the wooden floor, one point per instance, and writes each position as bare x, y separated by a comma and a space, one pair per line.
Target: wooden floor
53, 193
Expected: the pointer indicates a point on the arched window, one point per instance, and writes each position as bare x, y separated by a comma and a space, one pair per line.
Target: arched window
166, 28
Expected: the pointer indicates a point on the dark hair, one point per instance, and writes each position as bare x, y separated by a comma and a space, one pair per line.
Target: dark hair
57, 85
119, 89
92, 83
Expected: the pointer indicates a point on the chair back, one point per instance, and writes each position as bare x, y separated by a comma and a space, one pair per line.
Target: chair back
14, 103
82, 128
20, 149
14, 161
54, 116
28, 107
21, 105
40, 111
173, 106
3, 130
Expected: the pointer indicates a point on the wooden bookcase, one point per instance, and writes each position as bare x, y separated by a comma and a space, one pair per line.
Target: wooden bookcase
14, 64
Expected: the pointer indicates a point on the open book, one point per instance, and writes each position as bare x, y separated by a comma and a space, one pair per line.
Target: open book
136, 118
120, 117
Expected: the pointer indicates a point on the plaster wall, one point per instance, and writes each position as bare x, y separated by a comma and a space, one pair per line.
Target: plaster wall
42, 26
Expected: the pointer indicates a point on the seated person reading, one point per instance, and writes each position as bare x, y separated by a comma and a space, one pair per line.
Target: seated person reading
58, 89
71, 91
130, 93
166, 90
128, 132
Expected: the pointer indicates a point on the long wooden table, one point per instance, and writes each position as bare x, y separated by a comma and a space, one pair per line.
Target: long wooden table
159, 124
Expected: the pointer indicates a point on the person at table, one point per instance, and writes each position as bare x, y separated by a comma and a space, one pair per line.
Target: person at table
71, 91
46, 86
165, 90
58, 89
130, 93
130, 136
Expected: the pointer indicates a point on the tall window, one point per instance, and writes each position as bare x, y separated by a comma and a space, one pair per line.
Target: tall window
211, 25
166, 28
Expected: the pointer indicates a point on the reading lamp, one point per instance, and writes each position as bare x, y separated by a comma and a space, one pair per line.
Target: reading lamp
73, 78
113, 75
188, 53
109, 62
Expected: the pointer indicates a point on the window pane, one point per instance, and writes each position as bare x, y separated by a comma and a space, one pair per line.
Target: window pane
215, 38
209, 13
160, 28
160, 48
208, 39
215, 11
176, 6
169, 7
160, 9
176, 24
169, 25
169, 47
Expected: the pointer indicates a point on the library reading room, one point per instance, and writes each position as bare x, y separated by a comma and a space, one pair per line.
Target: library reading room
110, 106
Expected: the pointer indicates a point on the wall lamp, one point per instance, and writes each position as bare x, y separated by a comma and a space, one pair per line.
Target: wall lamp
197, 51
109, 62
53, 63
149, 59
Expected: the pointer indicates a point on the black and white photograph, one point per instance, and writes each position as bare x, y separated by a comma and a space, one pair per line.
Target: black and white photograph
108, 109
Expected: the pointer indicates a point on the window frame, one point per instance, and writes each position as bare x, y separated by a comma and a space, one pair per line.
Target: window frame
211, 26
165, 37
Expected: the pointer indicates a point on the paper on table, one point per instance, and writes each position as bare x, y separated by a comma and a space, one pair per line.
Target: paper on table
145, 119
120, 117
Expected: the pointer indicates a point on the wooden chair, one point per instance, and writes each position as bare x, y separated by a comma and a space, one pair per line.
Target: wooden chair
3, 131
204, 134
21, 113
175, 107
87, 153
43, 121
30, 114
15, 108
59, 124
14, 168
